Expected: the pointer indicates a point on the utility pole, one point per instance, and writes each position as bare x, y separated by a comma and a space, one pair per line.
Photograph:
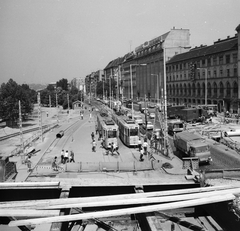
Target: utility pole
20, 125
68, 100
40, 116
103, 87
49, 100
56, 100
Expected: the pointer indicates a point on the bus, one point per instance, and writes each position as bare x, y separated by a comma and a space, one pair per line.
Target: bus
108, 128
128, 130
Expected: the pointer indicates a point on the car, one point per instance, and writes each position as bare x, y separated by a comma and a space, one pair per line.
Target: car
60, 134
138, 119
151, 105
149, 125
152, 115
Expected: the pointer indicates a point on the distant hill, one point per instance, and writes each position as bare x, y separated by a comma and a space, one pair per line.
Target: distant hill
37, 86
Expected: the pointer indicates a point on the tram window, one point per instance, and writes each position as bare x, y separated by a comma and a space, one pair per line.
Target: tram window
112, 134
133, 132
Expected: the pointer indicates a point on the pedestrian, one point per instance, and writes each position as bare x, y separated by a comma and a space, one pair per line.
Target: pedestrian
72, 157
108, 149
93, 136
100, 135
94, 144
62, 159
29, 163
141, 155
112, 148
66, 157
47, 113
54, 164
145, 144
96, 129
101, 142
115, 148
81, 115
90, 116
139, 144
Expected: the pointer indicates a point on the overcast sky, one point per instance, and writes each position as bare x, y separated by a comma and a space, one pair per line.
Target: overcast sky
43, 41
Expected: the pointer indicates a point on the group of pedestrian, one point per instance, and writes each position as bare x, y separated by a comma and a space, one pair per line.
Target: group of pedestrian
112, 147
66, 157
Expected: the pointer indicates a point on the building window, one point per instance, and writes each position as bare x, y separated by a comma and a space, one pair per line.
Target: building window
203, 62
209, 61
234, 57
227, 59
221, 59
209, 73
235, 71
221, 72
228, 72
214, 73
214, 61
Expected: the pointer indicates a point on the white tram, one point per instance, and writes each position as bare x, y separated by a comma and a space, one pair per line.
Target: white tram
108, 128
128, 130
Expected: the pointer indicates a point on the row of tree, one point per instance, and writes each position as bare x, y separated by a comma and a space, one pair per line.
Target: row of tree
11, 93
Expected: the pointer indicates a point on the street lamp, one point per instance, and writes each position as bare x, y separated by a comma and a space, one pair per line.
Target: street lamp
157, 87
143, 64
206, 77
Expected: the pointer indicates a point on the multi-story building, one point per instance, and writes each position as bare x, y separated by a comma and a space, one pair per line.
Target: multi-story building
79, 83
143, 70
91, 82
205, 75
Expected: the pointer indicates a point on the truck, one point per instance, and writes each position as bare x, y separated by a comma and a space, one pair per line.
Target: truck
192, 145
174, 126
142, 106
192, 114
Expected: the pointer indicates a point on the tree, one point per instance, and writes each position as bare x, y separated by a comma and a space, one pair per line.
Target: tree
10, 94
63, 83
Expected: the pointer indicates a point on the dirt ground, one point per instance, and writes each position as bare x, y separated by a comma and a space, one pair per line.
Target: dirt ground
49, 116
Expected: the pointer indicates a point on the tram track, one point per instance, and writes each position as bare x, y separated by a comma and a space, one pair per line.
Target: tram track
52, 145
2, 138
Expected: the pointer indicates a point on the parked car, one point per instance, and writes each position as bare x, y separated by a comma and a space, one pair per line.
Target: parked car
60, 134
152, 115
149, 125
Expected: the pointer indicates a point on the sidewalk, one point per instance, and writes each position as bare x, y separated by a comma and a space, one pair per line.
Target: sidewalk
22, 169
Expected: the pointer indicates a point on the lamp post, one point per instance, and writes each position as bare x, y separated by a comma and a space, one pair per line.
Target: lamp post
157, 92
103, 87
143, 64
206, 77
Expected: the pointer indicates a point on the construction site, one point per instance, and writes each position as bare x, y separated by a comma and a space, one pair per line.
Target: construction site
115, 192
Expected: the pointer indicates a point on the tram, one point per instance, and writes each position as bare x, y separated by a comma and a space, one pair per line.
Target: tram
108, 128
128, 130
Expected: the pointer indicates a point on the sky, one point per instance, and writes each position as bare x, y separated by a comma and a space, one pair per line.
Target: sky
43, 41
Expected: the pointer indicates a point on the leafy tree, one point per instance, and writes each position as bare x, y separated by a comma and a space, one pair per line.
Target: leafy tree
50, 87
10, 94
63, 83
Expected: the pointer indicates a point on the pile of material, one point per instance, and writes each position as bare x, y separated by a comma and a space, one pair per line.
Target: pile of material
47, 211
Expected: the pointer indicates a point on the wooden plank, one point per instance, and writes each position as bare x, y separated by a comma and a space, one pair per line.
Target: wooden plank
50, 202
28, 213
10, 185
137, 201
127, 211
